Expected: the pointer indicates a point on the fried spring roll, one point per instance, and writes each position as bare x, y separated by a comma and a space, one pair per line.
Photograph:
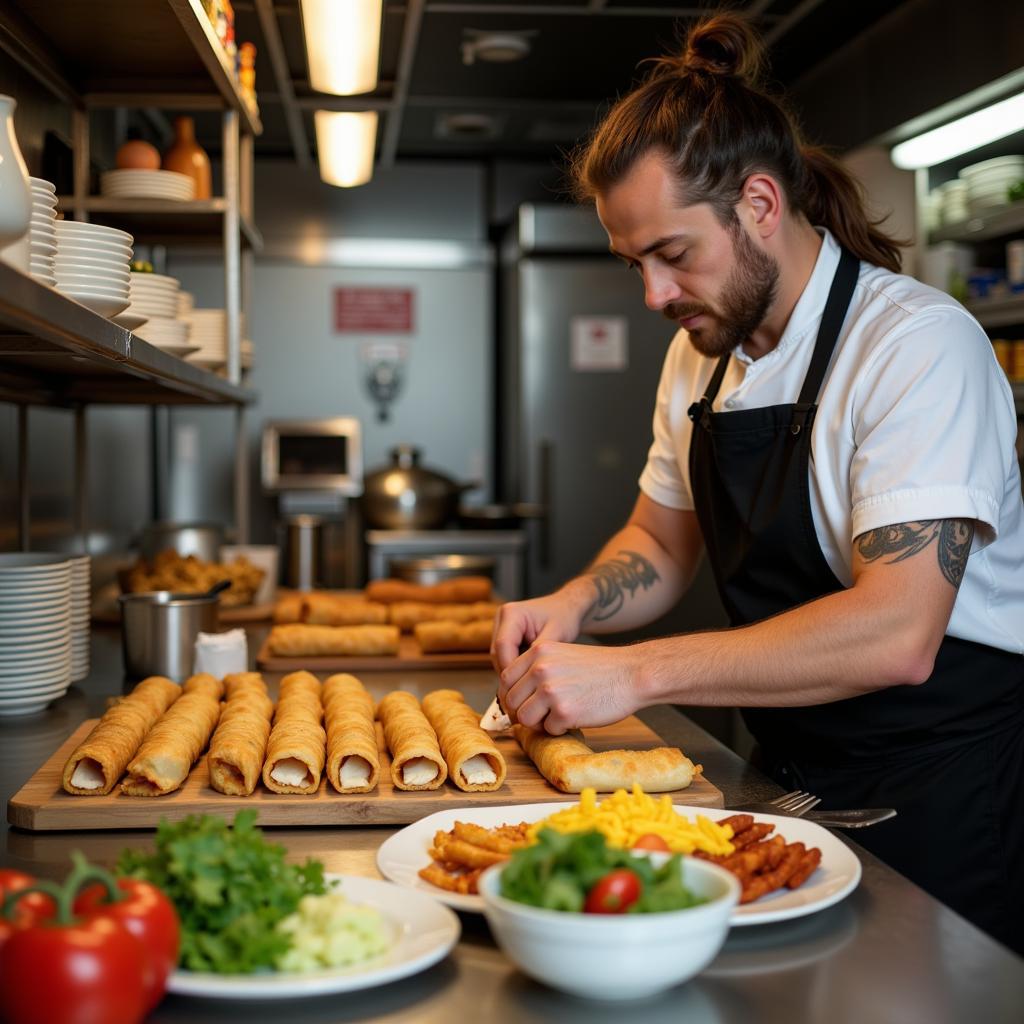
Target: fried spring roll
331, 610
571, 766
99, 761
406, 614
353, 761
452, 637
303, 640
416, 761
174, 744
298, 744
460, 589
474, 763
239, 743
289, 608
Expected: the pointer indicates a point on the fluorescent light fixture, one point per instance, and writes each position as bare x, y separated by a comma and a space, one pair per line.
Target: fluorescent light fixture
342, 44
345, 144
961, 136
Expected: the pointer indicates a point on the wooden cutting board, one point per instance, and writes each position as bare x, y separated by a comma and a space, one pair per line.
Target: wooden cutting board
409, 656
42, 805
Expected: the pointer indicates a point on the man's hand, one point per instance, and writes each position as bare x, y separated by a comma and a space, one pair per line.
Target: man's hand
559, 686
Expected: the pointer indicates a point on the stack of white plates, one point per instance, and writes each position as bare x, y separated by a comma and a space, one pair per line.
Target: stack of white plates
154, 295
81, 597
169, 334
952, 201
92, 265
35, 631
988, 182
139, 184
42, 235
186, 303
209, 327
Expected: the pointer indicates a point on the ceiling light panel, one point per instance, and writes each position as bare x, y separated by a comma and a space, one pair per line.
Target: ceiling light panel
342, 45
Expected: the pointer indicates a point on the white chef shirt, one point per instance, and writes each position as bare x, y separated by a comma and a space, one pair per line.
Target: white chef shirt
915, 421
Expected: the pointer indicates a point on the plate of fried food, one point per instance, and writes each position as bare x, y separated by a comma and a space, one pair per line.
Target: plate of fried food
787, 867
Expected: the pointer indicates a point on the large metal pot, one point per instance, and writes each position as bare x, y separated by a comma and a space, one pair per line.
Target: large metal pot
408, 496
438, 568
200, 539
159, 630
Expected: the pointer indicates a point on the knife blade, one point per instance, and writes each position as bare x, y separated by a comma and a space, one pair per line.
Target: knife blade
860, 818
494, 719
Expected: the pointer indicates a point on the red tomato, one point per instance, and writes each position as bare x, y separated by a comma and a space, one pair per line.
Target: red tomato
613, 894
36, 906
652, 841
145, 912
85, 973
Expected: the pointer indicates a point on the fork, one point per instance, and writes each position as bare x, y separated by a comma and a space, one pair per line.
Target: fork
795, 804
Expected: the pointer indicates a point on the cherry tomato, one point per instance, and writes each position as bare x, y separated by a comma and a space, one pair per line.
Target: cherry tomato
613, 894
145, 912
78, 973
652, 841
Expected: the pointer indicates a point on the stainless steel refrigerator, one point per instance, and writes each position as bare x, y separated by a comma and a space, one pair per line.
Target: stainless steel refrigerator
580, 358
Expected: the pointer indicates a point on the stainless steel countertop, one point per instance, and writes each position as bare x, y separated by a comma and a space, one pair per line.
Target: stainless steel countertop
889, 952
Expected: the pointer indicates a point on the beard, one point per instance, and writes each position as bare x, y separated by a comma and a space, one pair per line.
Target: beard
744, 303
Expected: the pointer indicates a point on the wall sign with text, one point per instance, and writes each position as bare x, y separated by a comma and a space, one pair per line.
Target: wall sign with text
373, 310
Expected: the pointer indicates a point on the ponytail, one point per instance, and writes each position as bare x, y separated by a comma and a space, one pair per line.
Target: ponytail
706, 112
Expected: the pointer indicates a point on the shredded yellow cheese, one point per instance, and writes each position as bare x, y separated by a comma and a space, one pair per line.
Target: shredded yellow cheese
624, 817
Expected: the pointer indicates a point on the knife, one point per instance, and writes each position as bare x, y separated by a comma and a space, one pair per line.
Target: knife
860, 818
494, 719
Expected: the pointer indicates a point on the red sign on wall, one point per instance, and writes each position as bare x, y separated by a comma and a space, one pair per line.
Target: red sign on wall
373, 310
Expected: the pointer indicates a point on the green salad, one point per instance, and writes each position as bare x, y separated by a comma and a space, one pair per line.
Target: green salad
230, 887
578, 871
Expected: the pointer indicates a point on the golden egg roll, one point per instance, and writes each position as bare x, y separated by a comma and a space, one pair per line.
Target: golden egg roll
571, 766
99, 761
297, 747
353, 760
474, 763
416, 760
406, 614
332, 610
239, 744
452, 637
460, 589
300, 640
175, 742
288, 608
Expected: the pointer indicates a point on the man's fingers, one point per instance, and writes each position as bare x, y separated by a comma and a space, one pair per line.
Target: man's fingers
531, 709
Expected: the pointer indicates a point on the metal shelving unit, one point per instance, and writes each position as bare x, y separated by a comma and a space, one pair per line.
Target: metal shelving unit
53, 351
1001, 220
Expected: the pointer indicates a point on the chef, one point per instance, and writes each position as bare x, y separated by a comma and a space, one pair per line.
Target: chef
839, 439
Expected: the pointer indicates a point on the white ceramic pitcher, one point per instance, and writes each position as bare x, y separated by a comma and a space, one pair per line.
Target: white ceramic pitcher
15, 195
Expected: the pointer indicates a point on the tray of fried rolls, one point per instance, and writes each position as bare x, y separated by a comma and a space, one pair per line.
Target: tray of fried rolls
389, 624
323, 750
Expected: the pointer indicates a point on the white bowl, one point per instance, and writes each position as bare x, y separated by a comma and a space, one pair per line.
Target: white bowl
107, 276
615, 956
158, 280
92, 264
97, 250
105, 305
82, 230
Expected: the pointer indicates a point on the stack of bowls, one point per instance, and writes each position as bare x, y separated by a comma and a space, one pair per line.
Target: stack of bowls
134, 183
35, 631
952, 201
988, 182
155, 296
209, 333
93, 265
81, 596
42, 233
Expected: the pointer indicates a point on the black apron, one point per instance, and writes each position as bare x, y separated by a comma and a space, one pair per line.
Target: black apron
948, 754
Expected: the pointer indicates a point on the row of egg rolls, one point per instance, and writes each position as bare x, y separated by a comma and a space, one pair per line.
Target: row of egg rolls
296, 750
239, 744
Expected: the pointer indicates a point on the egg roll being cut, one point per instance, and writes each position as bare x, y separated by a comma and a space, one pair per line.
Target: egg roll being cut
454, 637
416, 759
459, 590
311, 641
297, 747
571, 766
474, 763
407, 614
353, 760
177, 739
332, 610
97, 763
239, 743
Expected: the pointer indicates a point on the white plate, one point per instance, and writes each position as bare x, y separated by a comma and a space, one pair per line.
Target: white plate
425, 933
401, 856
159, 279
85, 230
95, 250
130, 320
108, 280
105, 305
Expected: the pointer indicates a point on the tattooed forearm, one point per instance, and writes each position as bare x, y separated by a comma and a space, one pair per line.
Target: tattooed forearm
614, 577
952, 537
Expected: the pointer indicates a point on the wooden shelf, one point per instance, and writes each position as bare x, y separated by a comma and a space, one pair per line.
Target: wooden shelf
1004, 311
159, 221
54, 351
1000, 220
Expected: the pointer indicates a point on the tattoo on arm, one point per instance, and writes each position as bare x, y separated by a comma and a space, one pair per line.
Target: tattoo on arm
614, 577
903, 540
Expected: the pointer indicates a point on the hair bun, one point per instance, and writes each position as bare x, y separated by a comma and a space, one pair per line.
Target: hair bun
725, 45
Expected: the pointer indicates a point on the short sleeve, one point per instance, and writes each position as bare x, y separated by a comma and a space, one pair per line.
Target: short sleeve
665, 478
933, 423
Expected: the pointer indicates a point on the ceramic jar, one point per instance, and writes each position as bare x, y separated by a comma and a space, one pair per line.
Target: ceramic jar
15, 195
186, 156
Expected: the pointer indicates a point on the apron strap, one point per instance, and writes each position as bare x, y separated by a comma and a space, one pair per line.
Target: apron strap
838, 302
703, 407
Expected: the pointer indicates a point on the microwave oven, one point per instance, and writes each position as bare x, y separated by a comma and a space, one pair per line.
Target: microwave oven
313, 455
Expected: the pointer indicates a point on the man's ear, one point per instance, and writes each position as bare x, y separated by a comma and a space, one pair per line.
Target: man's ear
761, 205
